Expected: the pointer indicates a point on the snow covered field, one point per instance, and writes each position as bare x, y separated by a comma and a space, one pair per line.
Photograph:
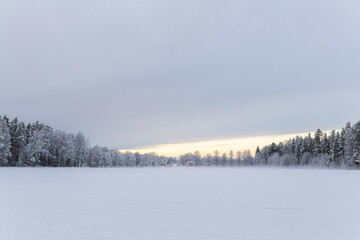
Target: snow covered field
179, 203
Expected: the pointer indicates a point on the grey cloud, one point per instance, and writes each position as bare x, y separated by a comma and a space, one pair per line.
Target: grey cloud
132, 73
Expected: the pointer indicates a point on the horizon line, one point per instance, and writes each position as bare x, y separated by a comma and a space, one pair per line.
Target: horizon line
223, 145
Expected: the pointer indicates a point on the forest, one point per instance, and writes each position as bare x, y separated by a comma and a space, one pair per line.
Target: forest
36, 145
339, 149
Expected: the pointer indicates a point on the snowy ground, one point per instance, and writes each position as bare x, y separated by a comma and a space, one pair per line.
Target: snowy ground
179, 203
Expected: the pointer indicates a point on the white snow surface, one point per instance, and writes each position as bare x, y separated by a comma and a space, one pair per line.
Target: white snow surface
179, 203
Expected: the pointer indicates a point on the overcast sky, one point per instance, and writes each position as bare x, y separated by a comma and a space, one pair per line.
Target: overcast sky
135, 73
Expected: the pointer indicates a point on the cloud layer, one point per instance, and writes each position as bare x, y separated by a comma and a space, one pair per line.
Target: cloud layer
135, 73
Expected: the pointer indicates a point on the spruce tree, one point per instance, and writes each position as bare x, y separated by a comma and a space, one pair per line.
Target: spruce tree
356, 148
317, 142
5, 143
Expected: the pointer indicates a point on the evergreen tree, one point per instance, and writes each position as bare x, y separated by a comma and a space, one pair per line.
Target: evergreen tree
257, 150
356, 148
137, 159
18, 141
197, 158
341, 142
297, 148
334, 147
5, 143
239, 156
223, 159
317, 142
348, 145
80, 145
216, 157
231, 158
325, 146
39, 145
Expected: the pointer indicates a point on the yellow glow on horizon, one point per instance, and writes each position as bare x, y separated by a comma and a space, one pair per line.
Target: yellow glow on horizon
222, 145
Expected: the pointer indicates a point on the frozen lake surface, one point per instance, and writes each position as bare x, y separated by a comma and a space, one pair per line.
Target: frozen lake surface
179, 203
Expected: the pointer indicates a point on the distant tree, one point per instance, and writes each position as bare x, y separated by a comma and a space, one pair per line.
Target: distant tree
18, 140
129, 160
35, 150
197, 158
5, 142
334, 148
317, 142
247, 157
223, 159
306, 158
231, 157
273, 148
325, 145
341, 144
356, 148
274, 159
216, 157
348, 145
257, 150
80, 146
209, 160
36, 144
137, 159
239, 157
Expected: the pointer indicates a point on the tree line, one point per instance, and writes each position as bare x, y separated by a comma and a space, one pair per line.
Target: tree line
36, 144
339, 149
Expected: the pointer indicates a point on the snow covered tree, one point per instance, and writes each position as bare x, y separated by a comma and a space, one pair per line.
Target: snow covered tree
317, 142
356, 148
18, 140
197, 158
95, 156
333, 151
297, 148
308, 145
247, 157
306, 158
231, 158
129, 160
223, 159
325, 145
138, 160
5, 142
216, 157
239, 156
186, 159
37, 150
208, 160
349, 145
289, 159
274, 159
80, 145
39, 145
341, 142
